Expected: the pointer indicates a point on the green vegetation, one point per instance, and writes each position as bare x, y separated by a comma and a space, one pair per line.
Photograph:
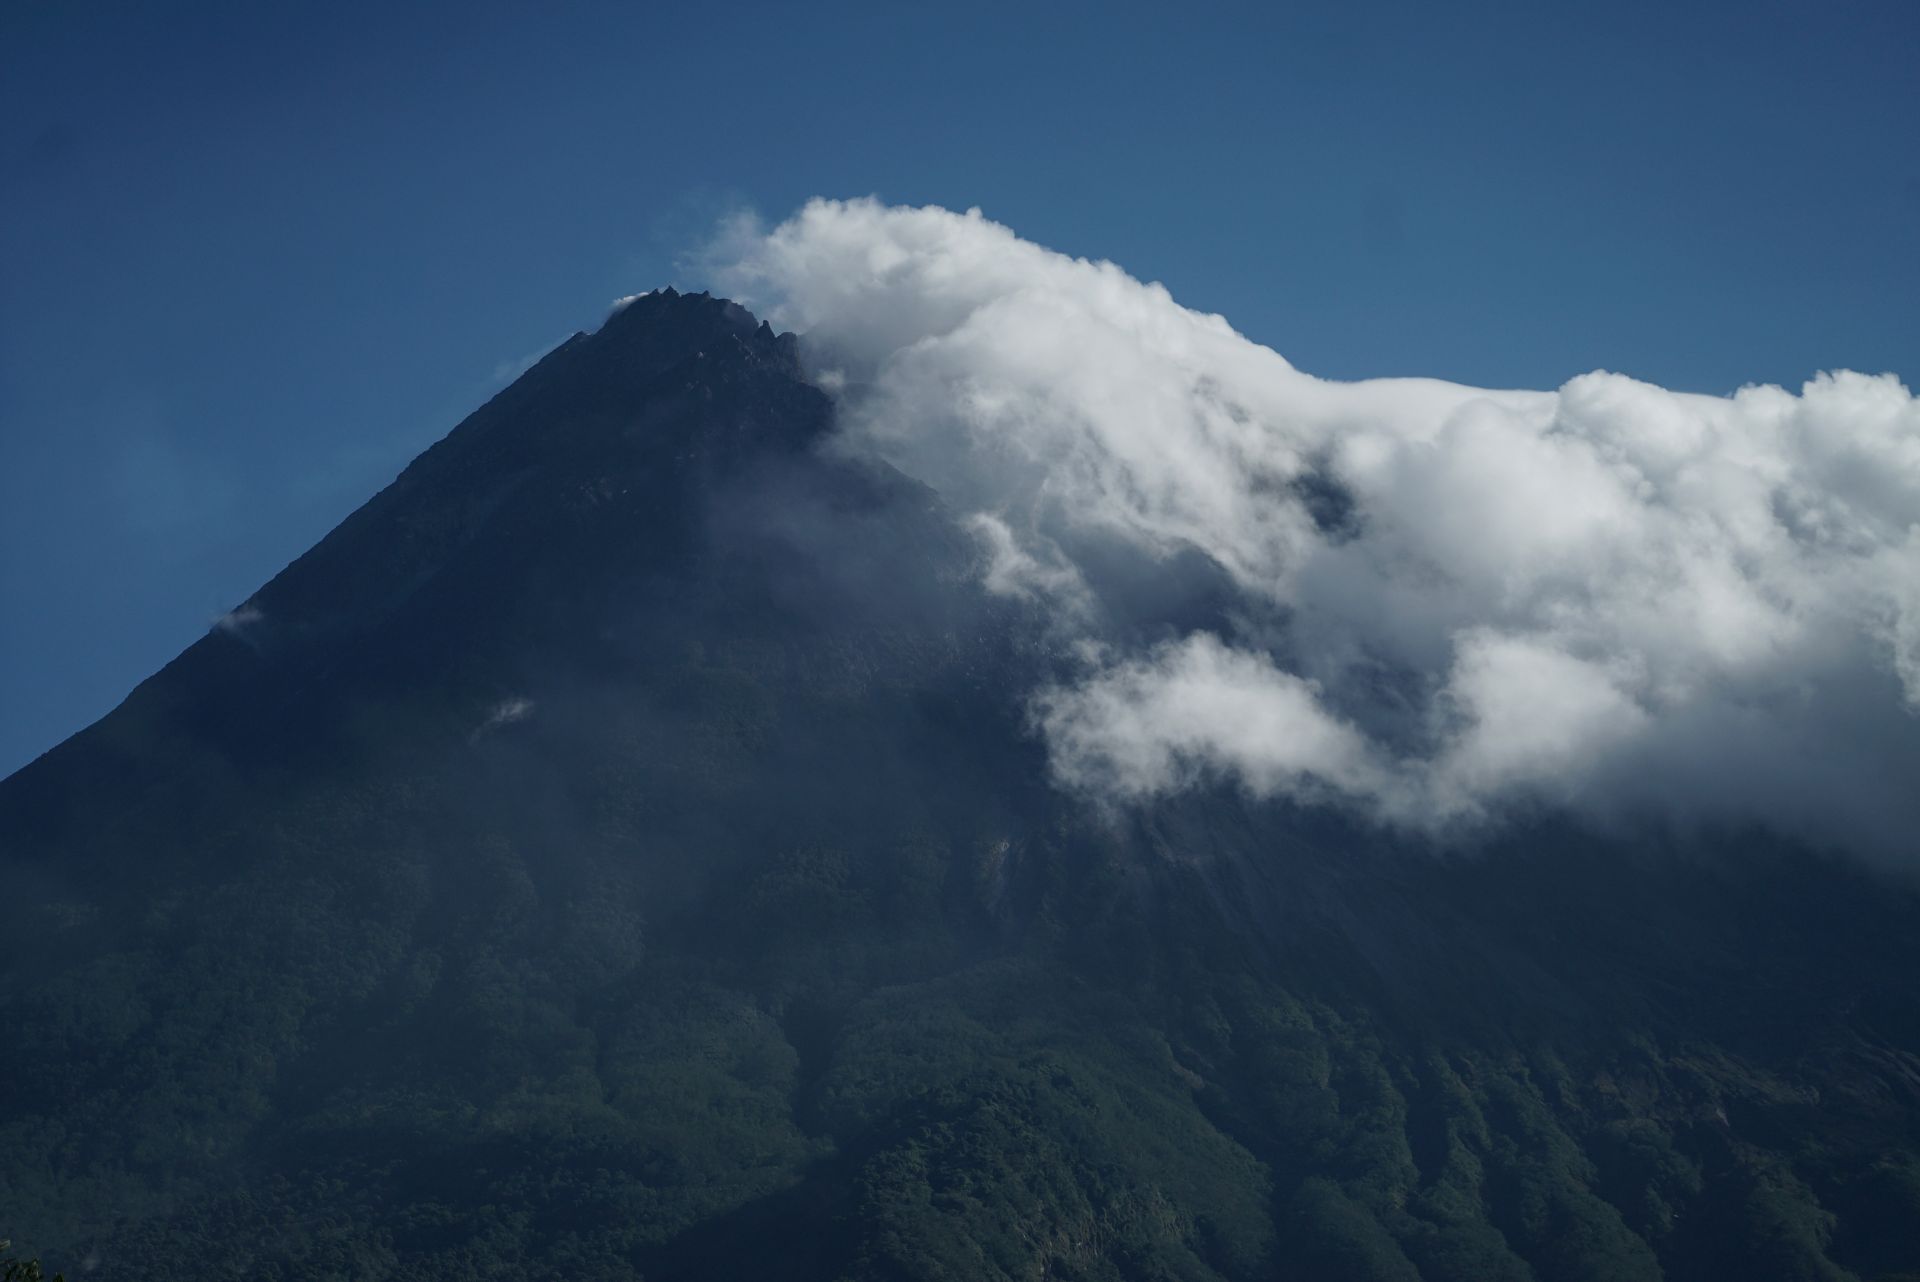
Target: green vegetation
13, 1269
389, 1031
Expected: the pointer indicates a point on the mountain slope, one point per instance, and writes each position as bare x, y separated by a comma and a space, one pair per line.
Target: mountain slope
618, 850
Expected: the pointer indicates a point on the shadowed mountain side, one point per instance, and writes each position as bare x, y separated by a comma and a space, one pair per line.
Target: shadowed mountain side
620, 850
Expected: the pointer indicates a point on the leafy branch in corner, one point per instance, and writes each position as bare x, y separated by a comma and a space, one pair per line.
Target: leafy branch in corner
18, 1270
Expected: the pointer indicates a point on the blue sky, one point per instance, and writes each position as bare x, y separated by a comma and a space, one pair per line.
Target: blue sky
256, 256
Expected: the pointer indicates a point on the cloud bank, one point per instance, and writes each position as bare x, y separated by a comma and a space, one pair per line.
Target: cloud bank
1430, 601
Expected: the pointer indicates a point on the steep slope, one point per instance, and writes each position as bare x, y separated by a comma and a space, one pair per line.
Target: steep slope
618, 850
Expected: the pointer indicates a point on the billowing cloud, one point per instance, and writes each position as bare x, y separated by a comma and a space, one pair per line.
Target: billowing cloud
1439, 600
1195, 706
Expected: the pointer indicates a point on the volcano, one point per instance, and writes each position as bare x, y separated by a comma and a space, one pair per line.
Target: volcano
623, 849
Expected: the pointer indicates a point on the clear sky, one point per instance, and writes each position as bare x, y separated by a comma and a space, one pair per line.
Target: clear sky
254, 257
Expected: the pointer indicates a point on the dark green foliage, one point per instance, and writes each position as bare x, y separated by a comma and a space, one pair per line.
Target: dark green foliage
755, 945
14, 1269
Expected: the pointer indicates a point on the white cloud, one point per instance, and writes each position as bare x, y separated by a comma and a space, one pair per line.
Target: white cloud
504, 713
1530, 716
1195, 707
1610, 596
1903, 628
237, 621
1013, 570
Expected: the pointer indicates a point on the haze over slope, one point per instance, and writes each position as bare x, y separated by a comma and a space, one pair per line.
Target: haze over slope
1429, 600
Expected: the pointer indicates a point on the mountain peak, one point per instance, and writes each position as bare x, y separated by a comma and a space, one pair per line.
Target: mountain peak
607, 448
664, 324
622, 849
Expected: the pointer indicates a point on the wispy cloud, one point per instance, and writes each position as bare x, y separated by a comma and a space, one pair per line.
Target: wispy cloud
504, 713
237, 621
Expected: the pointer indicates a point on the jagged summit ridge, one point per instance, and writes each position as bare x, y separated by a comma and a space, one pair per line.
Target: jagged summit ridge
654, 312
